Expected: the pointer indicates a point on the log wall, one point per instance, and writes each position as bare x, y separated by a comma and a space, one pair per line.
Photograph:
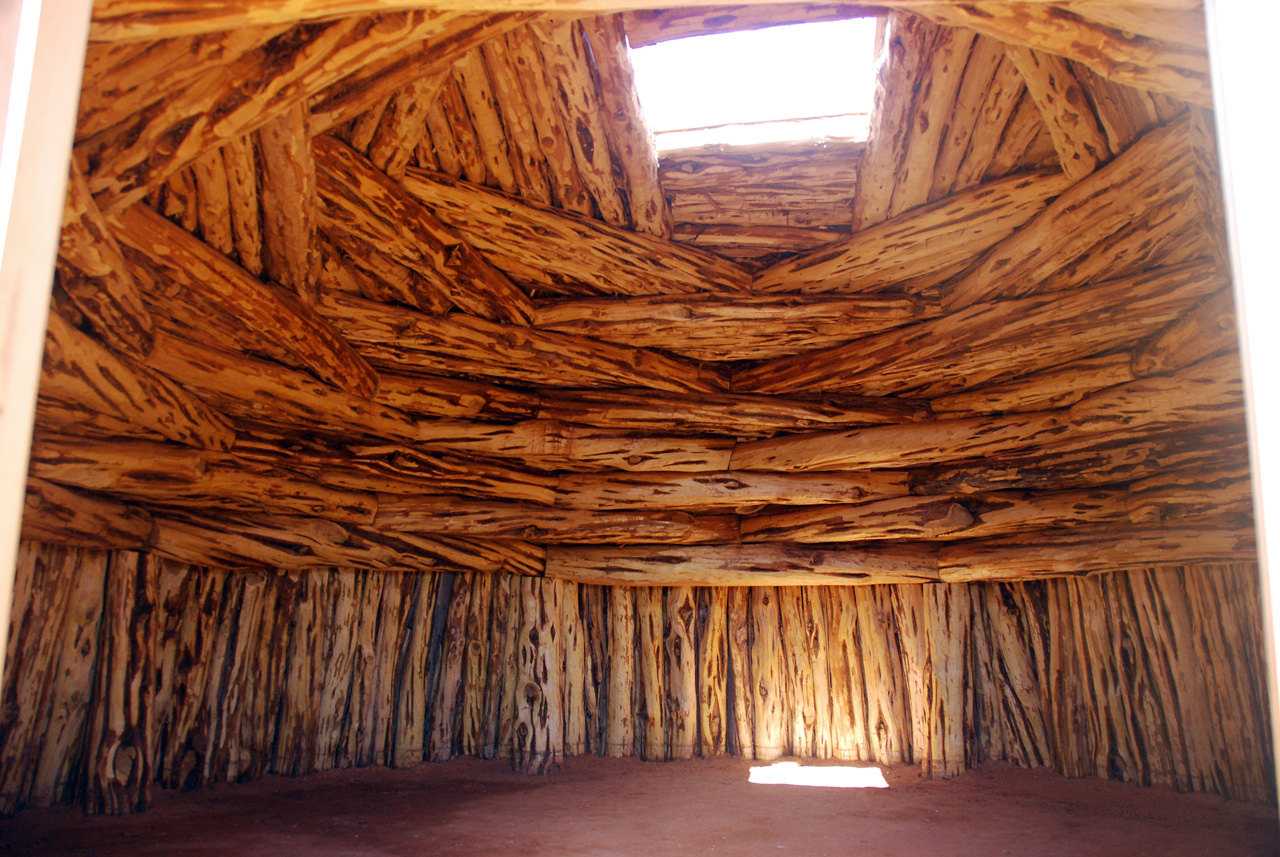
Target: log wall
131, 673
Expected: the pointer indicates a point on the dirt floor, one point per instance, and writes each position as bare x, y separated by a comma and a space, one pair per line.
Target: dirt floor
622, 806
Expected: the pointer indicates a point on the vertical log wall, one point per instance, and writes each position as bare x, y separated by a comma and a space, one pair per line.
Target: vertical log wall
130, 673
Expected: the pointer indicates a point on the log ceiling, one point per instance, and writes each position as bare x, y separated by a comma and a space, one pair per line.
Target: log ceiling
413, 289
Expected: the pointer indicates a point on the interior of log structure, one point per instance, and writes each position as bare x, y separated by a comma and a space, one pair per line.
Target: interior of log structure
402, 401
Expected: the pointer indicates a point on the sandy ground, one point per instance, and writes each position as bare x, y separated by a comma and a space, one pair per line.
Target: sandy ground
621, 806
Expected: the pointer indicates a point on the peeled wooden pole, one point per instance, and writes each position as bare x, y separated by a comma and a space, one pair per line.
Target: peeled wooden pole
539, 733
620, 719
651, 675
741, 732
681, 688
713, 671
769, 685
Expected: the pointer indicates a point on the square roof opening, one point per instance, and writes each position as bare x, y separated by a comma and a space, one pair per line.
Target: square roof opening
798, 82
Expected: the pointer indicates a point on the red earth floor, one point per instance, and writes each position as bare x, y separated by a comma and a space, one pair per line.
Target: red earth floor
623, 807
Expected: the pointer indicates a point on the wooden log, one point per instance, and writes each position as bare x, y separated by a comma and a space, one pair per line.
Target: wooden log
711, 328
713, 671
443, 514
196, 277
799, 669
566, 54
1205, 331
595, 626
358, 266
739, 416
257, 389
130, 158
92, 272
915, 91
501, 651
83, 375
1073, 127
849, 739
907, 604
458, 124
360, 201
651, 675
1055, 388
118, 735
447, 708
372, 84
472, 77
1151, 174
1199, 394
651, 26
508, 92
213, 201
746, 565
504, 740
428, 396
290, 256
48, 590
891, 253
994, 340
988, 93
562, 253
1182, 497
413, 341
565, 186
620, 722
1146, 63
947, 626
404, 124
539, 739
53, 514
717, 491
681, 672
882, 669
241, 164
1087, 550
1124, 113
741, 703
556, 446
631, 143
769, 683
943, 518
118, 466
572, 636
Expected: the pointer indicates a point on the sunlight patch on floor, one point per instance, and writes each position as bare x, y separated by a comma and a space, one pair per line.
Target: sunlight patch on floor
824, 776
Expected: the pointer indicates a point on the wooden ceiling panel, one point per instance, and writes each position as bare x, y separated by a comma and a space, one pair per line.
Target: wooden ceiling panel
412, 290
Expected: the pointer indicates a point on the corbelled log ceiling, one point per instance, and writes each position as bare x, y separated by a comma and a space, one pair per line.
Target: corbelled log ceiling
413, 289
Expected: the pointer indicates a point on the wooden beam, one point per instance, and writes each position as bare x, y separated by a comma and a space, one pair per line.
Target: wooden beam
1055, 388
368, 87
464, 517
725, 415
560, 253
707, 327
290, 256
1184, 496
260, 390
517, 118
361, 201
404, 124
1148, 63
409, 341
1077, 137
994, 340
1202, 393
565, 53
651, 26
1132, 191
207, 283
145, 20
120, 465
708, 492
916, 85
550, 445
57, 515
130, 158
85, 376
947, 518
241, 163
429, 396
288, 542
476, 90
631, 142
1089, 550
740, 565
922, 246
92, 271
1207, 330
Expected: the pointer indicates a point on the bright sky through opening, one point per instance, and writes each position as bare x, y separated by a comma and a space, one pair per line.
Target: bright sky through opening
723, 85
